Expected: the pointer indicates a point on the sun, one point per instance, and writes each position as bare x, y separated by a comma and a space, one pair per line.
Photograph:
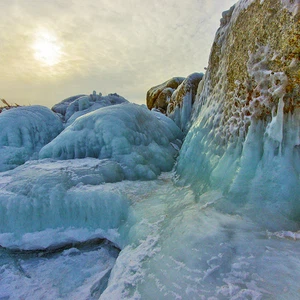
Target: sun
47, 49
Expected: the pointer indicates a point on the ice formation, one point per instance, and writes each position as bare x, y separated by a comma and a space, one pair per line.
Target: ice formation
144, 143
223, 225
24, 131
61, 107
51, 203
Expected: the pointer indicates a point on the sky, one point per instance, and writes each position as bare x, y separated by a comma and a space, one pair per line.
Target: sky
53, 49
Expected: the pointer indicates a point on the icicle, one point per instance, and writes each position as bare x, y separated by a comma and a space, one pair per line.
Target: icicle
275, 128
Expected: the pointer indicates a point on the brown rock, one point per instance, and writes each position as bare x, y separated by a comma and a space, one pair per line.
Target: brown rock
189, 85
157, 96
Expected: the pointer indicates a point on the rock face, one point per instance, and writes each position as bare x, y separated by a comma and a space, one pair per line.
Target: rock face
246, 117
159, 96
254, 63
189, 85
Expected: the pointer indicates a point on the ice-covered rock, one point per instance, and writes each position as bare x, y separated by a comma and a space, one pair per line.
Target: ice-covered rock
83, 105
180, 105
175, 98
245, 138
24, 131
159, 95
232, 232
62, 106
145, 143
76, 106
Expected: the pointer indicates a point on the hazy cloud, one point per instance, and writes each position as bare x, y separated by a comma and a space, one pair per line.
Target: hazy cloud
123, 46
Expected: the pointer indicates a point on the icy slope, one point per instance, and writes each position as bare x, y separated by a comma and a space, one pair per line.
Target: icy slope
24, 131
172, 246
183, 249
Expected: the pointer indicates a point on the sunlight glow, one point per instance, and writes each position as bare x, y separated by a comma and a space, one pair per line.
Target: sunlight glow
46, 48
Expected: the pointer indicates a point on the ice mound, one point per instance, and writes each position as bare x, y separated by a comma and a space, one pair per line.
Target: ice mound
73, 107
144, 143
24, 131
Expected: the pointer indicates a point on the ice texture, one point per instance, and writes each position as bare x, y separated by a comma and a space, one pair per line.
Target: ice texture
141, 141
173, 246
84, 105
72, 274
24, 131
190, 249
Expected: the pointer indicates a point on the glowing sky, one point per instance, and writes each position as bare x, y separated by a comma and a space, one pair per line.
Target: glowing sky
50, 50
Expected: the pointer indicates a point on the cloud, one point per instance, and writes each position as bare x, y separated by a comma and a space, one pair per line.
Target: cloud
111, 46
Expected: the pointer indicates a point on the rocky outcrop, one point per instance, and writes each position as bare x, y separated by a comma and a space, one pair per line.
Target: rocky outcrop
160, 95
175, 98
245, 135
254, 63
